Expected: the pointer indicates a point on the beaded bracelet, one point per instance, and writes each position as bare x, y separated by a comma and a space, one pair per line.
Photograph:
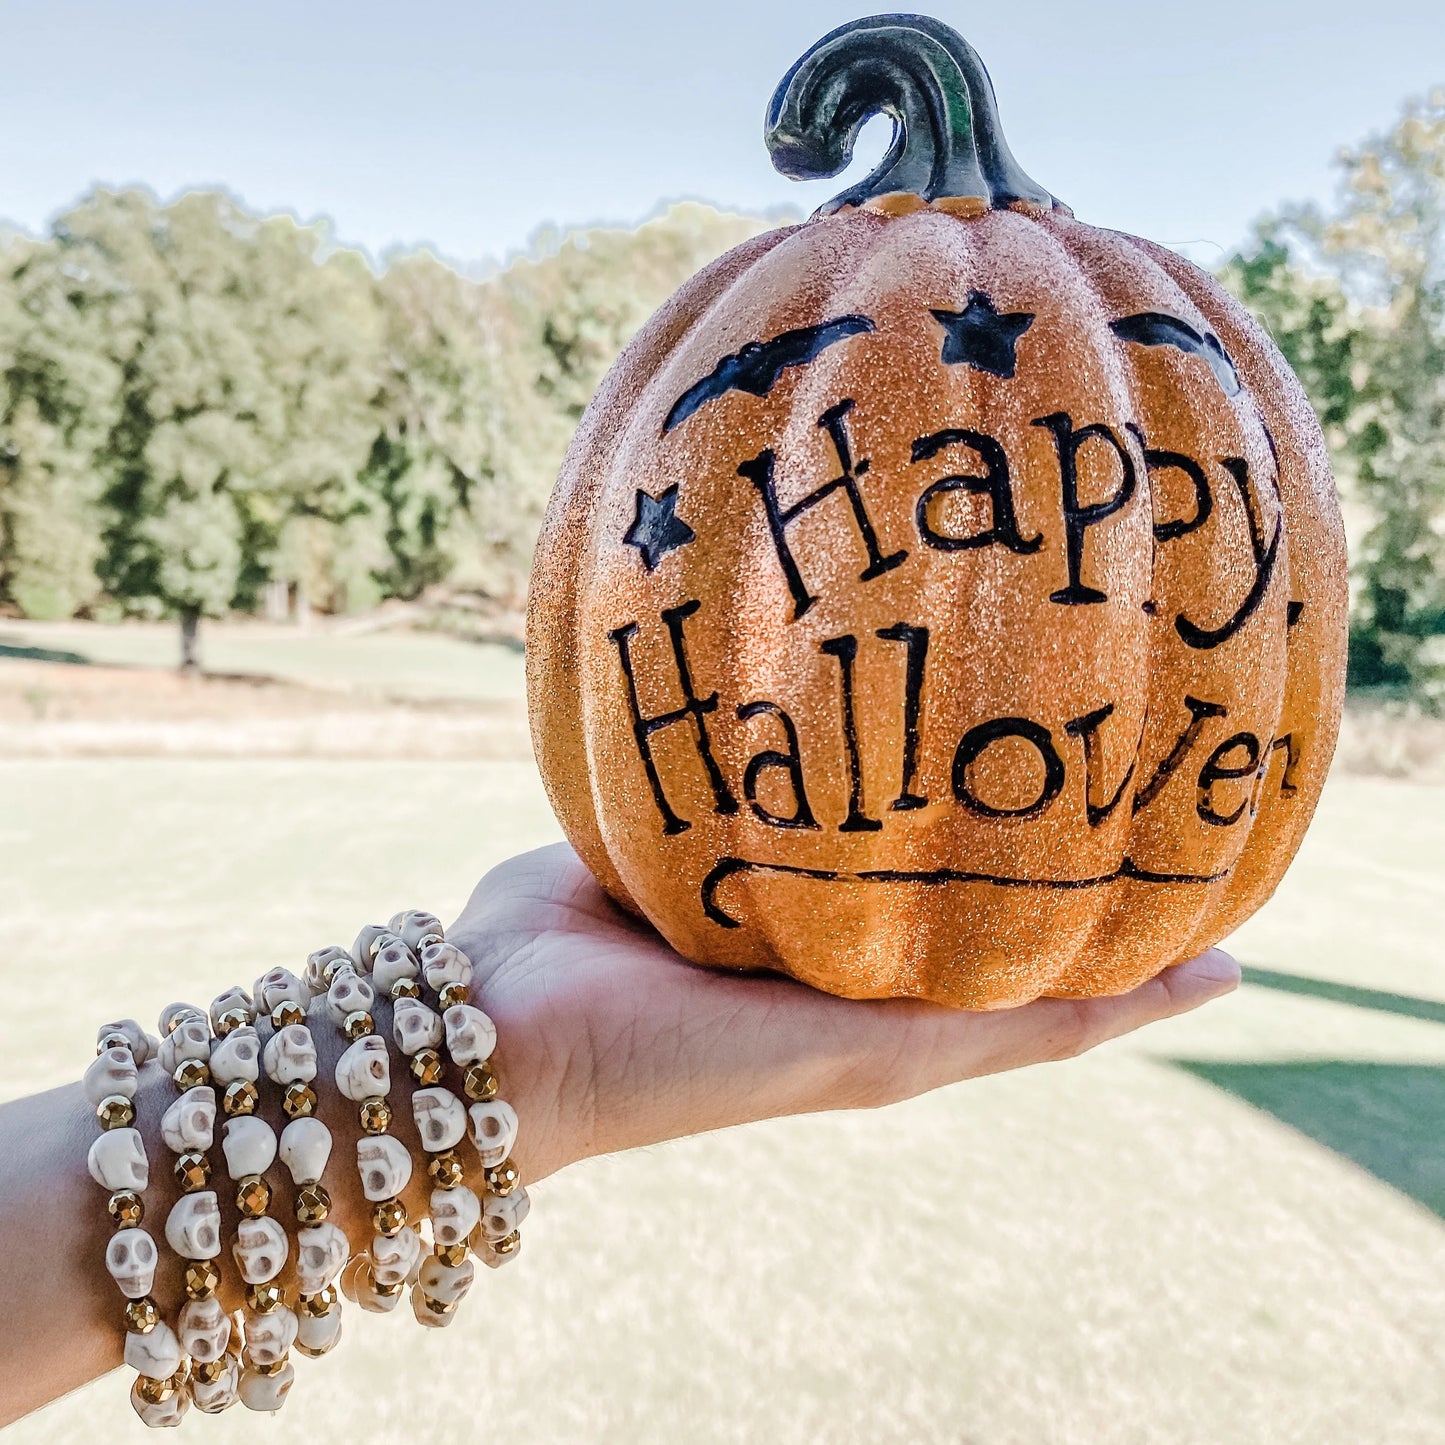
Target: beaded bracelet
193, 1227
118, 1163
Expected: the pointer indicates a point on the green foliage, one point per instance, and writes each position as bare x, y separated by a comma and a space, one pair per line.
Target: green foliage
1355, 297
198, 405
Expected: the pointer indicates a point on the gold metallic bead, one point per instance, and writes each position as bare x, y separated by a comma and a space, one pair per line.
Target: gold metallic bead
153, 1391
375, 1116
319, 1304
126, 1210
437, 1307
453, 994
192, 1074
380, 941
193, 1172
115, 1112
452, 1254
207, 1372
240, 1097
112, 1041
286, 1013
313, 1204
388, 1291
445, 1170
300, 1101
271, 1370
233, 1018
253, 1196
202, 1278
357, 1025
328, 974
480, 1083
405, 988
426, 1066
141, 1315
264, 1298
503, 1178
510, 1244
389, 1217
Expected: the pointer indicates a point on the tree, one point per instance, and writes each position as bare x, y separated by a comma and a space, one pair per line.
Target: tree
1356, 298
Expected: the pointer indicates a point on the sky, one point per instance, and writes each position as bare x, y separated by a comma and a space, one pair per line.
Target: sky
466, 127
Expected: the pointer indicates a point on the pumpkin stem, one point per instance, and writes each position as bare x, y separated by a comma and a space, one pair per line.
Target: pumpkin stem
930, 80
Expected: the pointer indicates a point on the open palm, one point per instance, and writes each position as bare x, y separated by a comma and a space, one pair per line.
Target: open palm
609, 1039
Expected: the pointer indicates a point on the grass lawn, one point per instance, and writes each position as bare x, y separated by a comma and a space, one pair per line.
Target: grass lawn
1227, 1230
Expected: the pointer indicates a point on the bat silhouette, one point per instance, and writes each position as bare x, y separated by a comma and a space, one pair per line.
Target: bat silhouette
1154, 328
756, 368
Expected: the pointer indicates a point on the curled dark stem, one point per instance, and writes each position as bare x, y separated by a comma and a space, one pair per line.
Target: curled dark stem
930, 81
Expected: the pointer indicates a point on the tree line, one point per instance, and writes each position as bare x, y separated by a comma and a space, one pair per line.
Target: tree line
202, 409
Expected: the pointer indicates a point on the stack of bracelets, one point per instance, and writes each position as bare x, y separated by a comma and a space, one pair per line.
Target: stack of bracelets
220, 1061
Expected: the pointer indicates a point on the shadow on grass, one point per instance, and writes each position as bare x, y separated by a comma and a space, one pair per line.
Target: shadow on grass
42, 654
1395, 1003
1386, 1117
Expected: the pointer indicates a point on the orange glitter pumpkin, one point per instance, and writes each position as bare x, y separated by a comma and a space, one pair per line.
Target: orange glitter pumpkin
942, 597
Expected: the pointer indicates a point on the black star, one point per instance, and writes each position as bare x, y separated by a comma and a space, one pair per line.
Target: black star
980, 337
657, 529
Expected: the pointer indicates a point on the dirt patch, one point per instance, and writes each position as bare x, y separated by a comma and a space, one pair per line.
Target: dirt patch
51, 709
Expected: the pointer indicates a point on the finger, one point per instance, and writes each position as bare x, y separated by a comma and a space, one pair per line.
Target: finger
965, 1046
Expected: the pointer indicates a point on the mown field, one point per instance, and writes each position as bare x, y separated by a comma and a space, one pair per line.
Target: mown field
1230, 1228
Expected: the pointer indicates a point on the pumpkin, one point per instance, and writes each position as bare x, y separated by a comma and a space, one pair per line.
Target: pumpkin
942, 597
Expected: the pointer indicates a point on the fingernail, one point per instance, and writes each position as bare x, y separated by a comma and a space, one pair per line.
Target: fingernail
1215, 967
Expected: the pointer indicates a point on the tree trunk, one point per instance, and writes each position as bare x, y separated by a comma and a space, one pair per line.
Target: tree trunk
190, 644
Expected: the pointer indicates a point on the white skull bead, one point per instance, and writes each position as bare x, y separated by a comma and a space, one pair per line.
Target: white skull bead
364, 1070
190, 1039
128, 1033
160, 1414
260, 1249
414, 1026
290, 1056
213, 1396
447, 1284
415, 925
173, 1013
205, 1329
237, 1056
349, 993
305, 1148
395, 1259
316, 1334
502, 1213
321, 1252
443, 965
193, 1227
393, 963
314, 974
441, 1118
455, 1213
111, 1072
269, 1336
189, 1124
494, 1130
358, 1283
361, 950
384, 1164
234, 1000
156, 1353
278, 986
117, 1160
130, 1259
471, 1035
249, 1145
266, 1393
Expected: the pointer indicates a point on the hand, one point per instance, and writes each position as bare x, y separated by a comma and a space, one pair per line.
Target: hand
609, 1040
